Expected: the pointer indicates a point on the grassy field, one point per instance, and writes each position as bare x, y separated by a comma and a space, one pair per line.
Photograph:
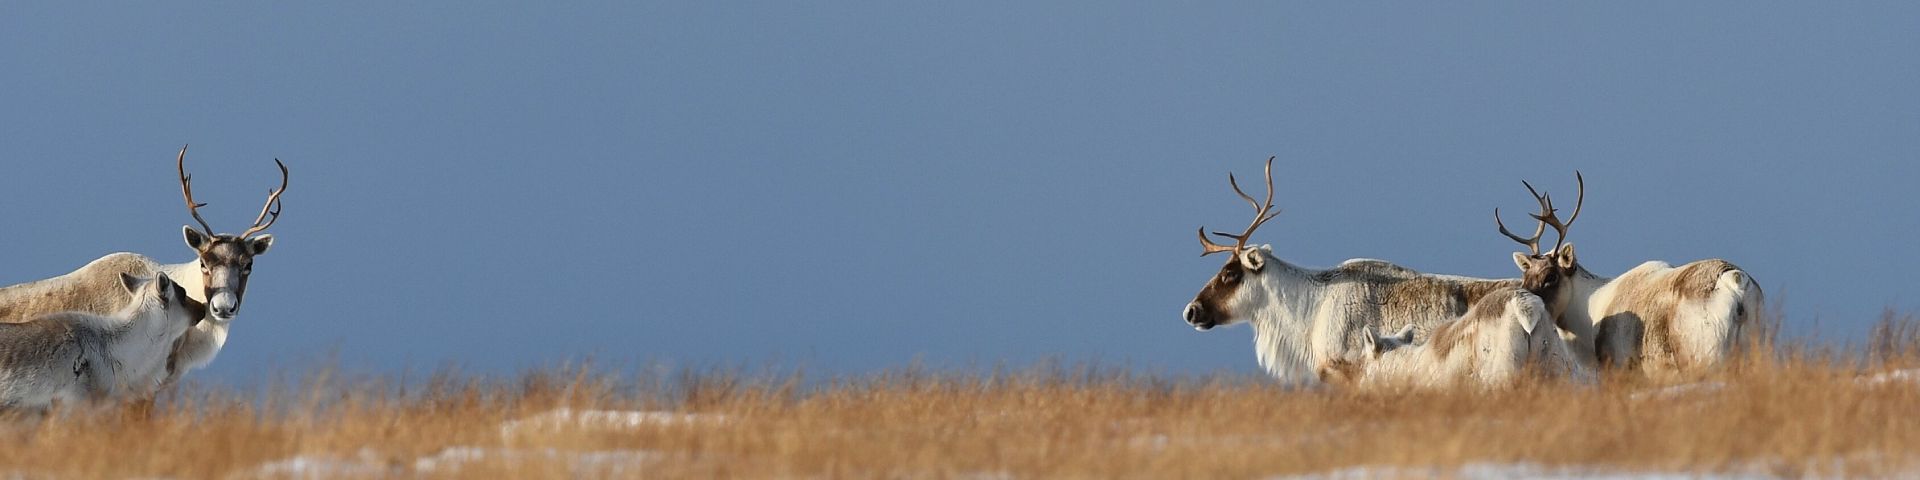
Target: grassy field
1793, 411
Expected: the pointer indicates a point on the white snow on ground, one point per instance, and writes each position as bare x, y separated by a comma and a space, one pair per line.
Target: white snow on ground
606, 419
452, 460
319, 466
1678, 391
1904, 376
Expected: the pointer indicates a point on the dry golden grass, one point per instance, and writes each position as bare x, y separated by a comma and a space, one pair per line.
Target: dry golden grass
1791, 411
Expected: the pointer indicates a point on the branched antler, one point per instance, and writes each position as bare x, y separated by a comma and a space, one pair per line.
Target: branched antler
186, 189
1262, 212
268, 214
272, 207
1548, 217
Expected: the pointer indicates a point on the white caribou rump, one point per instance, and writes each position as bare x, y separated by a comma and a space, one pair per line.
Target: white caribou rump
1660, 321
77, 357
1505, 337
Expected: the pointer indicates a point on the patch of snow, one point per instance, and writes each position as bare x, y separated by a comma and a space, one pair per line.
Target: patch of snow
452, 459
1904, 376
607, 419
320, 466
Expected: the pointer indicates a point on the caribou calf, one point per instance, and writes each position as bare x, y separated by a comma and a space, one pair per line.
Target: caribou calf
78, 357
1502, 338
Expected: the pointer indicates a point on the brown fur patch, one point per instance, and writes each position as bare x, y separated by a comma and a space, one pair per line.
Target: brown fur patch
226, 250
1395, 296
1544, 278
1219, 290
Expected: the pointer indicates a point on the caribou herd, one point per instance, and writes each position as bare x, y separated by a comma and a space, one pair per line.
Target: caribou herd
1557, 321
124, 325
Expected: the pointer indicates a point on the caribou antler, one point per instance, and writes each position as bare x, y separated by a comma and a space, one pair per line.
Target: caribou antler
272, 207
268, 214
186, 188
1261, 214
1549, 216
1532, 243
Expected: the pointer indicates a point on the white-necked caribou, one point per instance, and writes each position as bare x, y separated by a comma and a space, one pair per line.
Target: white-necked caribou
216, 276
1304, 318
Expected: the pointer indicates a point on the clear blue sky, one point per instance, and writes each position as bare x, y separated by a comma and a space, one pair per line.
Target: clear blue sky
850, 186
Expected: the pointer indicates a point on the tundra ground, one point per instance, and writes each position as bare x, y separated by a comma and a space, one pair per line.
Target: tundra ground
1791, 410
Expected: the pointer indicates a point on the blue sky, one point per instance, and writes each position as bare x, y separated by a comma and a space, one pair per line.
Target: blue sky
852, 186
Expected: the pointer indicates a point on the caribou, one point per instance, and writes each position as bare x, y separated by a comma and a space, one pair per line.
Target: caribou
1501, 339
79, 358
1303, 318
217, 276
1656, 319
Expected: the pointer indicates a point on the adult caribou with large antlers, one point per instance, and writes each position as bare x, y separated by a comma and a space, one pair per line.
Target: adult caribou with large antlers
1304, 318
216, 276
1657, 319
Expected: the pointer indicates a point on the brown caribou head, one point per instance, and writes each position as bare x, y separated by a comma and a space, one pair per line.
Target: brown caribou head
1223, 300
226, 260
1546, 273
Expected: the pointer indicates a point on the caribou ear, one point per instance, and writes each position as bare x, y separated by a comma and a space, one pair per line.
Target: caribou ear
1522, 260
195, 239
130, 282
1565, 257
260, 244
1253, 258
1369, 340
1403, 337
165, 286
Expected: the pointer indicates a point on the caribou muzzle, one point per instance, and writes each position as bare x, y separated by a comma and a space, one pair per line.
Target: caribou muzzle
223, 305
1198, 316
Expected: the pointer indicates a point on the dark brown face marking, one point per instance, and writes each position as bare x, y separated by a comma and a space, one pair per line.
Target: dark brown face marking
196, 309
1547, 278
225, 263
1543, 276
1209, 308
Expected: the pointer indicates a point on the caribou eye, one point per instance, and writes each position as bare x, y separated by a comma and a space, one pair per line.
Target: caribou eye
1230, 277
